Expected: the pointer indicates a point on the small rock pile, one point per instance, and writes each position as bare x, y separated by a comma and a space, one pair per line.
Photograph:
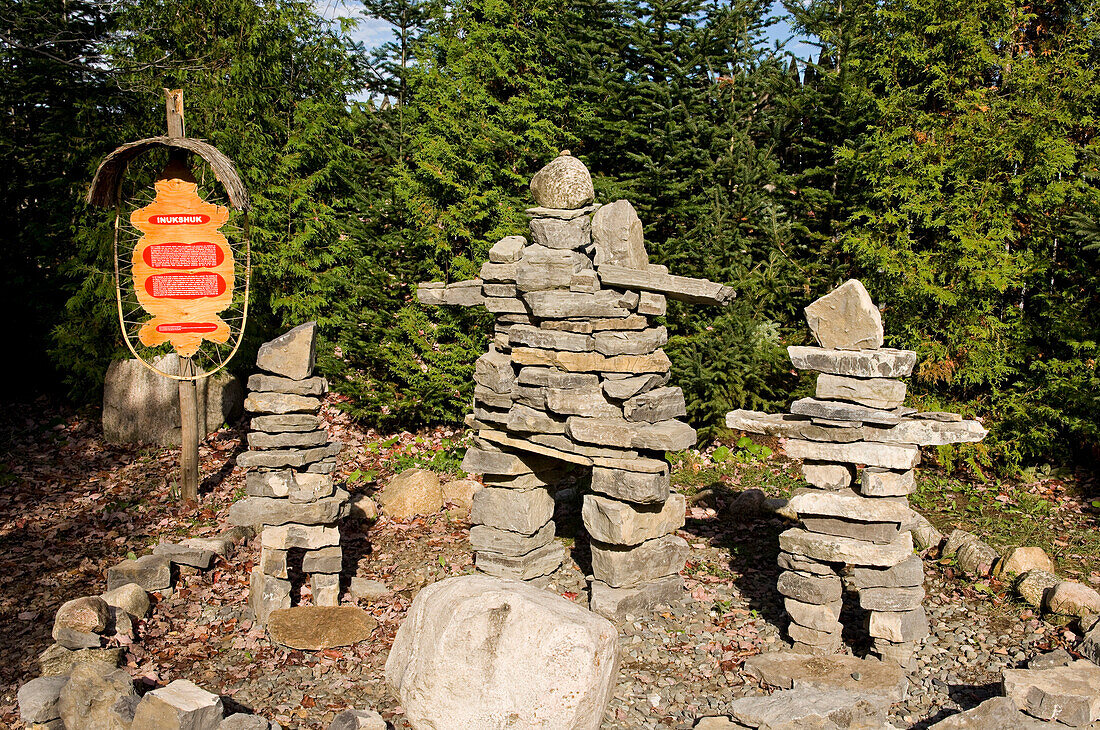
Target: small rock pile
292, 499
575, 373
854, 525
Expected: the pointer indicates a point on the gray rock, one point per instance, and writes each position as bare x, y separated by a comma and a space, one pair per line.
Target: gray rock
38, 699
818, 589
619, 523
878, 482
258, 440
565, 214
549, 339
325, 560
412, 492
267, 593
976, 558
141, 406
182, 705
618, 237
925, 534
889, 456
1070, 694
628, 387
624, 567
828, 476
358, 720
585, 281
280, 403
558, 304
195, 555
564, 184
455, 658
1090, 645
632, 486
588, 402
274, 562
837, 411
652, 304
544, 268
522, 511
1034, 585
849, 505
130, 598
807, 707
500, 290
364, 589
290, 354
881, 363
1018, 560
482, 461
151, 572
657, 279
1056, 658
78, 622
309, 386
562, 234
505, 305
507, 250
491, 273
846, 319
619, 603
818, 616
639, 342
910, 430
505, 542
491, 399
1070, 598
833, 549
57, 661
326, 592
877, 532
87, 699
309, 488
269, 483
788, 561
493, 370
592, 362
906, 574
883, 393
663, 436
548, 378
539, 562
309, 537
458, 294
241, 721
532, 420
898, 626
286, 422
891, 599
281, 458
997, 713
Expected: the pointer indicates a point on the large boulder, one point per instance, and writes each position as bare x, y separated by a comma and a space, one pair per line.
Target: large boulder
86, 701
846, 319
565, 183
483, 652
141, 406
410, 493
182, 705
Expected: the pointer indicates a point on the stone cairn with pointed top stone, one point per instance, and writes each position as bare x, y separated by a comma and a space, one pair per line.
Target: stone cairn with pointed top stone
292, 499
859, 447
575, 373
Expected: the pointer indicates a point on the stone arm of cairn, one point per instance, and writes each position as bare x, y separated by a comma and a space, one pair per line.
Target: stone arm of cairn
575, 373
859, 446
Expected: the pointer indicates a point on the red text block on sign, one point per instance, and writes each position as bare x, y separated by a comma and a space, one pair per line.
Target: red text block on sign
184, 286
183, 255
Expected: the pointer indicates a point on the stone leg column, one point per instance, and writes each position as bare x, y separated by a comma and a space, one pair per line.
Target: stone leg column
812, 595
512, 517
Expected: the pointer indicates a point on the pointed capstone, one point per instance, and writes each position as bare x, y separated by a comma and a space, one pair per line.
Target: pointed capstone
846, 319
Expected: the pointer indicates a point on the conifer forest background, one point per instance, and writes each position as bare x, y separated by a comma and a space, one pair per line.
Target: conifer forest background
944, 152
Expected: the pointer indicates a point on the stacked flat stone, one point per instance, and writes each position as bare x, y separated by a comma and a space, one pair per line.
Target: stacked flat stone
575, 373
292, 500
859, 446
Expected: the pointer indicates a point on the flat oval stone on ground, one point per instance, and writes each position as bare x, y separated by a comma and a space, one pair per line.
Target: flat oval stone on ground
312, 628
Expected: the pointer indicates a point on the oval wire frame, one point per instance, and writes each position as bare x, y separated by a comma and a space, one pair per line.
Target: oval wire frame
118, 292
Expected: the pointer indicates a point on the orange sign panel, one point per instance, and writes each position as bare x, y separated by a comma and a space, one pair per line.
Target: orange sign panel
183, 268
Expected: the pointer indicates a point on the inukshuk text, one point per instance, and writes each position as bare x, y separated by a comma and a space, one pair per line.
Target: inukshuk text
575, 373
859, 446
292, 499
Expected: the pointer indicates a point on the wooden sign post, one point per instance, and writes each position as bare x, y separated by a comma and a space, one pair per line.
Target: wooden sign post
182, 268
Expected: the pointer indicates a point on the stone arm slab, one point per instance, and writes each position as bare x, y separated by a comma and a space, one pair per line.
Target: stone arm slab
657, 279
459, 294
919, 429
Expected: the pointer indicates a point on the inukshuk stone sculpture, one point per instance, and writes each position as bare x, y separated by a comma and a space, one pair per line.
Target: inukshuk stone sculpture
575, 373
292, 499
855, 525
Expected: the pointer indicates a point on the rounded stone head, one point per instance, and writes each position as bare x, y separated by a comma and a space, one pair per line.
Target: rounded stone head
564, 184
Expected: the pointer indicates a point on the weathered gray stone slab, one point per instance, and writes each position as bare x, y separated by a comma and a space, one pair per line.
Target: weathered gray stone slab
549, 378
549, 339
528, 446
877, 532
506, 542
491, 273
786, 670
640, 487
631, 322
657, 405
1034, 585
310, 386
565, 214
618, 237
459, 294
588, 402
891, 599
564, 443
502, 291
802, 564
663, 436
881, 363
882, 393
564, 183
507, 250
290, 354
641, 342
87, 699
906, 574
151, 572
819, 589
993, 714
849, 505
524, 419
817, 616
638, 600
808, 708
631, 386
286, 422
324, 560
1070, 694
657, 279
516, 510
585, 281
194, 553
261, 440
592, 362
828, 476
846, 319
183, 705
540, 561
652, 304
623, 567
488, 398
38, 699
265, 511
482, 461
557, 233
309, 537
280, 458
281, 403
616, 522
898, 626
879, 482
269, 483
836, 411
494, 371
833, 549
561, 304
544, 268
889, 456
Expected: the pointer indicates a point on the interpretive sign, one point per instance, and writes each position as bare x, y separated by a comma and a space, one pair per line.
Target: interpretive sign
182, 267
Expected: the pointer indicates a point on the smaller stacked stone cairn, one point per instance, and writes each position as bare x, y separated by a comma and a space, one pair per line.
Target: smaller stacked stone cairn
292, 500
859, 447
575, 374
